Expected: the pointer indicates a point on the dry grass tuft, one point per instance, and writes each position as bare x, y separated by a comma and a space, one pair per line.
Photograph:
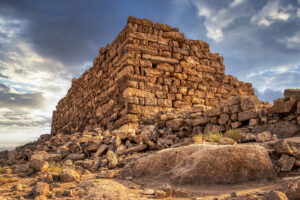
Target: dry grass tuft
55, 167
213, 136
198, 138
234, 134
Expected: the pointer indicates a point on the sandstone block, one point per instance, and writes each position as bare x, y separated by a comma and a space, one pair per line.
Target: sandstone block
292, 93
41, 188
158, 59
174, 36
165, 67
235, 108
199, 121
214, 128
263, 137
291, 188
283, 107
176, 124
282, 147
69, 175
247, 115
137, 148
38, 163
248, 103
275, 195
132, 92
166, 103
235, 125
112, 159
223, 119
226, 141
286, 163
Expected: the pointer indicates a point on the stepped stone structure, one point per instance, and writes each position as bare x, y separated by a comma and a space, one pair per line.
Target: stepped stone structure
150, 67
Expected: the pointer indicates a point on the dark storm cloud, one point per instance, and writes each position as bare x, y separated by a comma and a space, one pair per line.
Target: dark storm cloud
12, 100
73, 31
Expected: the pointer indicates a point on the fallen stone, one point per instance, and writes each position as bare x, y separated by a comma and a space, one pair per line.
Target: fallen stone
221, 164
248, 103
263, 137
69, 175
286, 163
247, 115
214, 128
282, 147
149, 192
283, 107
175, 124
226, 141
100, 150
112, 159
275, 195
281, 129
292, 93
291, 188
137, 148
38, 164
41, 188
75, 156
174, 35
248, 137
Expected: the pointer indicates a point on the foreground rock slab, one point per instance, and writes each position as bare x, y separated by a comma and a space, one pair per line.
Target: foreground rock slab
205, 164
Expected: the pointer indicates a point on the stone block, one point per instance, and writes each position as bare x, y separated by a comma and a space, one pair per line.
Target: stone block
292, 93
283, 107
158, 59
247, 115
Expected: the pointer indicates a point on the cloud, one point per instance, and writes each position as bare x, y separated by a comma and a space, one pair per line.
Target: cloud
269, 14
236, 3
216, 19
10, 99
269, 95
294, 41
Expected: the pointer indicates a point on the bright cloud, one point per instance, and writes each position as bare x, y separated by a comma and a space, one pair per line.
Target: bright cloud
236, 3
30, 85
270, 13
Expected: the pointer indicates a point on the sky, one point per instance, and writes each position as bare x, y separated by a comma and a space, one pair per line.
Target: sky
44, 44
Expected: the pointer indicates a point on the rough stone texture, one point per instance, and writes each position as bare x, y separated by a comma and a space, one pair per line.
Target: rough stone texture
286, 162
292, 188
205, 164
292, 93
68, 175
145, 70
41, 188
275, 195
281, 129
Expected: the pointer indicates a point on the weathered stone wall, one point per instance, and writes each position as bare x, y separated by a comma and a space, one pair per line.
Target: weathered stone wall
150, 67
241, 112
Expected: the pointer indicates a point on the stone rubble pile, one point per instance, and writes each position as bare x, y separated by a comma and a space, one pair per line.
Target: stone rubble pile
97, 149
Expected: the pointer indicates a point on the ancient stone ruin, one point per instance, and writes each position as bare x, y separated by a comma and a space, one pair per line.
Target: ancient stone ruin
157, 117
150, 67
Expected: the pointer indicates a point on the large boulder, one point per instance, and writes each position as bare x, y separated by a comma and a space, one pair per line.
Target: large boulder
205, 164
